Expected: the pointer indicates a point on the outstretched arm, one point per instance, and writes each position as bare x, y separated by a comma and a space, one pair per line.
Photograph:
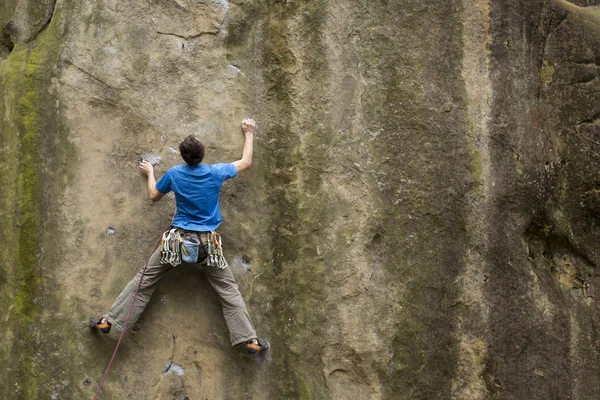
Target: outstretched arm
148, 169
248, 126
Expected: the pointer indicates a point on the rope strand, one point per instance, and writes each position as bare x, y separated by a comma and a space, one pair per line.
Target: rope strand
126, 321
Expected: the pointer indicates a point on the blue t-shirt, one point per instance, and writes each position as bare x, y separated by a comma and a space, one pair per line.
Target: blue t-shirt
196, 191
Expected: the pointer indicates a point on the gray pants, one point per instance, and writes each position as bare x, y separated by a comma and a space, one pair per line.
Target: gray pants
234, 309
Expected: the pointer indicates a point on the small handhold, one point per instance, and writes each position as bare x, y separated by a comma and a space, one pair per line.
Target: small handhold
172, 368
151, 158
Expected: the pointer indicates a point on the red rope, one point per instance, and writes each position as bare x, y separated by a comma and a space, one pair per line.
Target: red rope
126, 321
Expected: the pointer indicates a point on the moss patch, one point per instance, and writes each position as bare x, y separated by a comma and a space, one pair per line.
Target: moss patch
547, 73
29, 127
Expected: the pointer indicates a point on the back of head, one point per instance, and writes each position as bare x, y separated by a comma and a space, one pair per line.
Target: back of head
191, 150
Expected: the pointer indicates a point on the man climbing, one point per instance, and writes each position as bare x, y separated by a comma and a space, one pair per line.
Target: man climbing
196, 187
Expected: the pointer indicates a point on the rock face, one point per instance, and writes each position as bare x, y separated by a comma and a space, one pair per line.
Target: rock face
421, 221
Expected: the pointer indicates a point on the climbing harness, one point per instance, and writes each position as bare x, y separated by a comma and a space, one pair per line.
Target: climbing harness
215, 251
170, 252
175, 241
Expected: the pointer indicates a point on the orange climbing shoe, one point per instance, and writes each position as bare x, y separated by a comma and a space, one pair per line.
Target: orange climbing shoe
255, 346
101, 324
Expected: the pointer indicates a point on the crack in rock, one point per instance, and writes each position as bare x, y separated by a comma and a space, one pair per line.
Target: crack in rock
188, 37
70, 62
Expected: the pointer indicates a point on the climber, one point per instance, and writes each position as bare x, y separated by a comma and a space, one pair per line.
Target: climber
196, 186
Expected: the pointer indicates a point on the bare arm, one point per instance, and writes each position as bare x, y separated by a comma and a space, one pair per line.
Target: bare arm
148, 169
248, 126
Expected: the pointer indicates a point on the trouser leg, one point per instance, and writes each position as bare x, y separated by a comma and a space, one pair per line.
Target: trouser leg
236, 315
120, 308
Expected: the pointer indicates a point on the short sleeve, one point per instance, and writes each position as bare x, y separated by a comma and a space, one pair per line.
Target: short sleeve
165, 184
226, 171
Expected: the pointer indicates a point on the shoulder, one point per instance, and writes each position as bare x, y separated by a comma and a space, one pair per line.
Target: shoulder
220, 166
173, 172
224, 170
175, 169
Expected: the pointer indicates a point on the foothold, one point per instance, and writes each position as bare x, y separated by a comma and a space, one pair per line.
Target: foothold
87, 382
177, 370
246, 264
235, 67
110, 231
171, 368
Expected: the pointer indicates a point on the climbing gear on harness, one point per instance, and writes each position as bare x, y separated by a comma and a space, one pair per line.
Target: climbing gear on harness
101, 324
253, 348
179, 246
215, 251
170, 252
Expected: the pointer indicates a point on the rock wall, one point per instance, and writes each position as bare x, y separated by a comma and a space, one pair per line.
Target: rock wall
421, 220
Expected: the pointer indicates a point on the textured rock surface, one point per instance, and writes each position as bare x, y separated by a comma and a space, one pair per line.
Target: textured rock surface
421, 220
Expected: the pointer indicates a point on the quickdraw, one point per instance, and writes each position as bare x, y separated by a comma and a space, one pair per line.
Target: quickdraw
215, 251
170, 251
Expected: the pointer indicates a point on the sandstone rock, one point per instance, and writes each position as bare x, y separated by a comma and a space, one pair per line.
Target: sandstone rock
422, 216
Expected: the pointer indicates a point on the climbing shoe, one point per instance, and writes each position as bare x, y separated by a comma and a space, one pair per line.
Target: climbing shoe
255, 346
101, 324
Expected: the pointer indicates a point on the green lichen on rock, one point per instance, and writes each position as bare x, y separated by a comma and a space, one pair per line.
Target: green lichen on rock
373, 182
27, 72
294, 157
547, 72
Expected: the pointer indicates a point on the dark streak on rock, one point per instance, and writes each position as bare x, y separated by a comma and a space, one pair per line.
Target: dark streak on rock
188, 37
174, 346
7, 40
45, 23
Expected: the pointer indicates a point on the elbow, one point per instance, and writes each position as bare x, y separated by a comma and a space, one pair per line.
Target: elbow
247, 161
156, 197
243, 165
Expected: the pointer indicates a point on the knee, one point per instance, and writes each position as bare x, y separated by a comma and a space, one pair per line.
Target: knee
233, 300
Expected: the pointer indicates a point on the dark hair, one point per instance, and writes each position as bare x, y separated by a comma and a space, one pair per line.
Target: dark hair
191, 150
